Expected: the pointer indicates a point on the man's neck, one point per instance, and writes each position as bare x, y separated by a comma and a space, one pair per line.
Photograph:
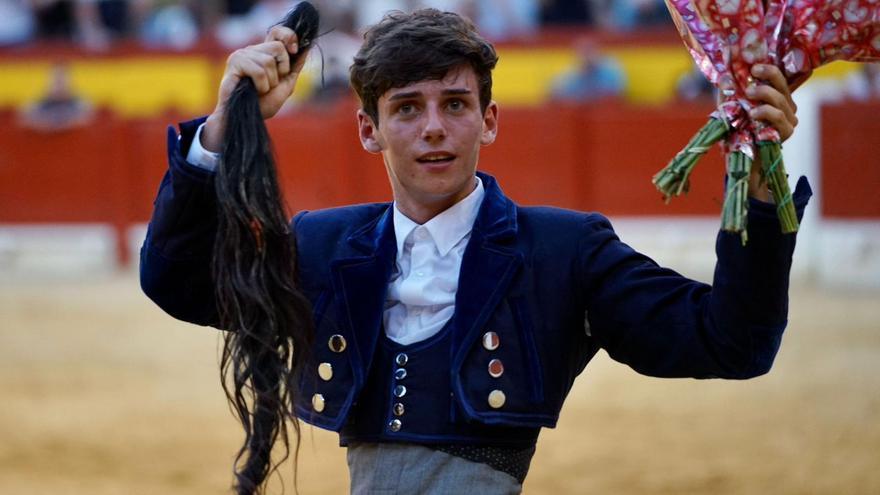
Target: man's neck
421, 212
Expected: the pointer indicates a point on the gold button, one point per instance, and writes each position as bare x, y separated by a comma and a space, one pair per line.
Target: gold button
325, 371
395, 425
337, 343
318, 402
496, 368
491, 341
496, 399
399, 409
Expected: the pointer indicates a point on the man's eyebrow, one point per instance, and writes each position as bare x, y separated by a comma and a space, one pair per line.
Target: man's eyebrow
415, 94
405, 96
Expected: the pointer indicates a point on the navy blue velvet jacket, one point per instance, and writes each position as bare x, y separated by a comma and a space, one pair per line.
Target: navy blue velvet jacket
556, 285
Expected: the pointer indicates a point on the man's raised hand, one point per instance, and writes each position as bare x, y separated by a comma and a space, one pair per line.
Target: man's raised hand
268, 64
775, 108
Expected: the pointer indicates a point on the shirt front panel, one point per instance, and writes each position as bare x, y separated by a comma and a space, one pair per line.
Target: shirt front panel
421, 292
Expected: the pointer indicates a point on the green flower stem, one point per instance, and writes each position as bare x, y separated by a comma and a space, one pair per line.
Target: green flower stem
734, 212
674, 178
773, 170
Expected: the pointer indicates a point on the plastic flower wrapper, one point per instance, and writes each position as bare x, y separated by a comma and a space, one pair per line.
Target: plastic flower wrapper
725, 38
814, 33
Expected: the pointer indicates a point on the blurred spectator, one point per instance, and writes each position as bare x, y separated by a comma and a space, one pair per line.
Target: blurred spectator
369, 12
18, 22
618, 15
238, 7
95, 23
463, 7
595, 76
170, 24
568, 12
499, 20
626, 15
55, 19
336, 51
496, 19
60, 108
863, 84
238, 30
693, 86
331, 73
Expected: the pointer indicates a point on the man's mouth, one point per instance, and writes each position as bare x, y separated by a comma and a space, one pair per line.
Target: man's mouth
436, 158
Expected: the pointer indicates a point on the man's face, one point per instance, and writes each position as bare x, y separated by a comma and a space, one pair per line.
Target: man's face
429, 134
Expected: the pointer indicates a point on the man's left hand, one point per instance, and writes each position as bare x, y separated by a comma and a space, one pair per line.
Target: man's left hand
775, 108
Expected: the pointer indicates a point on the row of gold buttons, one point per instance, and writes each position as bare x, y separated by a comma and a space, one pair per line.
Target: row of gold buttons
337, 344
491, 342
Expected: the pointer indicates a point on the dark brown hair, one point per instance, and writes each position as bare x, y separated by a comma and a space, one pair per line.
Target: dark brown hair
424, 45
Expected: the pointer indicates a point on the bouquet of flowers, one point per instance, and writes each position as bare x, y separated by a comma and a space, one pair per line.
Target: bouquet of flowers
726, 38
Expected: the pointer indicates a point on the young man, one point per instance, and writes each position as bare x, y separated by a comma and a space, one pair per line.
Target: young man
451, 323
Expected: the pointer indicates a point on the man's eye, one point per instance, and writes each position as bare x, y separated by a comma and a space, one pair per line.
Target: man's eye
456, 105
406, 109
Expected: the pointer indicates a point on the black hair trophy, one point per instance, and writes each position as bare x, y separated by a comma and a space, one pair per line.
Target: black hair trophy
269, 321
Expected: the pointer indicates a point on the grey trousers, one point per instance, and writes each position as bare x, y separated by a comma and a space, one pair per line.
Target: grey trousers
402, 469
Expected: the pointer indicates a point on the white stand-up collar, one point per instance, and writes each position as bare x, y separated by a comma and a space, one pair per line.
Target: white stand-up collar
448, 227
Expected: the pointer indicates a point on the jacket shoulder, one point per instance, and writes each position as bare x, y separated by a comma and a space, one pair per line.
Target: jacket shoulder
339, 221
561, 222
322, 236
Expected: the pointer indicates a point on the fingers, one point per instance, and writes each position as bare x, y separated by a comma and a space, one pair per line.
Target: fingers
278, 53
266, 64
772, 74
286, 36
776, 118
770, 96
269, 66
259, 75
776, 106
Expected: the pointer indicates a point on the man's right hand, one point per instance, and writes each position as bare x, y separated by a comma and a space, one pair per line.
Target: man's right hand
268, 65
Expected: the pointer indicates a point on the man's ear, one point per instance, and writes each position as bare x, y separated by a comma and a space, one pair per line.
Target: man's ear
490, 124
368, 132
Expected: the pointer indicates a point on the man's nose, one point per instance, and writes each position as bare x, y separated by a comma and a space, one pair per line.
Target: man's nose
435, 127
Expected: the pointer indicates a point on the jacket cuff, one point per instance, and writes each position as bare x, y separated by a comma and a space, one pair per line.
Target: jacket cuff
762, 212
178, 148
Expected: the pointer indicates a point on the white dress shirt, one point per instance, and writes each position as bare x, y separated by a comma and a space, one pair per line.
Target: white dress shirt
421, 293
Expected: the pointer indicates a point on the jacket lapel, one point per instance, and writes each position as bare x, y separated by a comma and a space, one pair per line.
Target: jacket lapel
488, 266
362, 281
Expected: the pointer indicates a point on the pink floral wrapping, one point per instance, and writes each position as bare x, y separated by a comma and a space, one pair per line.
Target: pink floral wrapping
727, 37
815, 33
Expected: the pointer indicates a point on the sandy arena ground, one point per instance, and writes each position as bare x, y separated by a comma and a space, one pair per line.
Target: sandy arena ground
105, 394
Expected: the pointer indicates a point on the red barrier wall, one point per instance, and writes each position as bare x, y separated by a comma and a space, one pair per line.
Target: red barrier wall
67, 176
598, 158
851, 160
321, 161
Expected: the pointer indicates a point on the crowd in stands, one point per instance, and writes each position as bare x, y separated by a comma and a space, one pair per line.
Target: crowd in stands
96, 24
179, 24
170, 24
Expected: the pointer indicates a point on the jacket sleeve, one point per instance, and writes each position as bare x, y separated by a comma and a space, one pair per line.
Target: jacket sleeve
175, 268
663, 324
